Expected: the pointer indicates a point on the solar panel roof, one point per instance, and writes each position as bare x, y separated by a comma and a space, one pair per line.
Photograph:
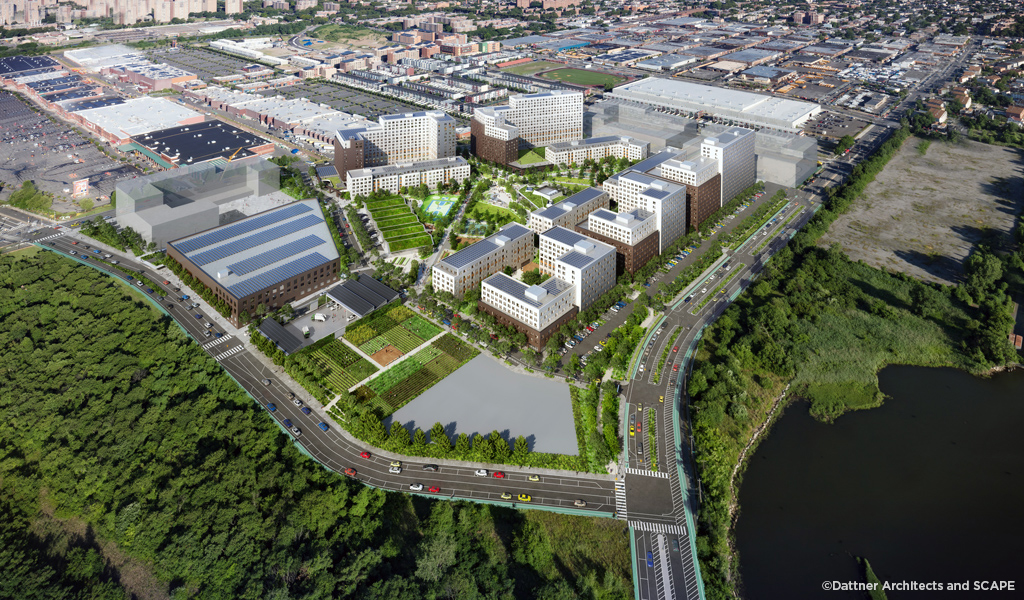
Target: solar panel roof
287, 271
485, 246
276, 255
575, 259
248, 242
517, 289
275, 332
565, 236
223, 233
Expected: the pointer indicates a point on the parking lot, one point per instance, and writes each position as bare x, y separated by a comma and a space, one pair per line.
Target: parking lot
343, 99
204, 63
834, 125
53, 155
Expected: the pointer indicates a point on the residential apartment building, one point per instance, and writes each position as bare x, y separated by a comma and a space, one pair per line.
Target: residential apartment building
534, 119
578, 151
511, 246
537, 311
493, 139
586, 263
667, 200
568, 212
401, 138
703, 186
633, 234
733, 149
363, 182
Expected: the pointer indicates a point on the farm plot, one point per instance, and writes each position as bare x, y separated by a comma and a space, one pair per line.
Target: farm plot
405, 381
400, 229
421, 327
339, 366
390, 334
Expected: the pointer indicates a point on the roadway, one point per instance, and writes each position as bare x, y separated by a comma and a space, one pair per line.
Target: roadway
334, 448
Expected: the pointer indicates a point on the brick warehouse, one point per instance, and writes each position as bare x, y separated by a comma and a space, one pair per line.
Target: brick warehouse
272, 258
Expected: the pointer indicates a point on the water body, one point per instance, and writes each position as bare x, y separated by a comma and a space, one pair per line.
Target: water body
929, 488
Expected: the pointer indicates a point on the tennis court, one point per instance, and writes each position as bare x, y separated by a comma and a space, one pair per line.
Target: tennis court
440, 205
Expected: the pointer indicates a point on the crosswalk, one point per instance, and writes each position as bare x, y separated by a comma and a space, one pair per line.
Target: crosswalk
646, 473
668, 528
620, 499
50, 237
224, 355
213, 343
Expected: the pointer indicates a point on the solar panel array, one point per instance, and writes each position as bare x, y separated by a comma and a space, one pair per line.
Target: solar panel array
252, 224
263, 237
276, 276
575, 259
277, 254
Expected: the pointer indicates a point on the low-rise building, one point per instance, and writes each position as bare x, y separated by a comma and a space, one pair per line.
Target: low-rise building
511, 246
578, 151
363, 182
568, 212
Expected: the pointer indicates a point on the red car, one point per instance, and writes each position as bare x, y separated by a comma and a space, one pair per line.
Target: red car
499, 474
434, 489
364, 454
675, 368
675, 348
350, 472
639, 427
167, 282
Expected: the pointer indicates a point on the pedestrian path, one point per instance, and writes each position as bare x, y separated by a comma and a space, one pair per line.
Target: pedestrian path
620, 499
224, 355
213, 343
669, 528
646, 473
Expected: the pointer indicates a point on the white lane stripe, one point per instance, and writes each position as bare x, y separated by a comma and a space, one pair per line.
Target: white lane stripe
646, 473
224, 355
679, 530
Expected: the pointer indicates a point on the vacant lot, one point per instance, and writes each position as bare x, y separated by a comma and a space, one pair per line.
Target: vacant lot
350, 35
931, 205
533, 67
583, 77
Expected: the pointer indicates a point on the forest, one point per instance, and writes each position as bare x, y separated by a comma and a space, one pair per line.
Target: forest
120, 430
826, 325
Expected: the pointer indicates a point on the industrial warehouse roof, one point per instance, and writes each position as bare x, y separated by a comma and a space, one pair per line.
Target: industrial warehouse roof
189, 144
362, 295
263, 250
512, 231
138, 116
692, 97
97, 57
17, 64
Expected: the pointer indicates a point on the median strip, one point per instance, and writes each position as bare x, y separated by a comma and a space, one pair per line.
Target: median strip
720, 287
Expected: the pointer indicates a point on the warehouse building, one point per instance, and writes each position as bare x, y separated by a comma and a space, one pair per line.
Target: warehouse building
274, 258
568, 212
210, 140
118, 123
180, 202
362, 295
752, 110
614, 118
510, 246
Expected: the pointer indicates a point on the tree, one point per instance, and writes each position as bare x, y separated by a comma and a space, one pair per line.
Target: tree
419, 440
440, 439
399, 436
521, 451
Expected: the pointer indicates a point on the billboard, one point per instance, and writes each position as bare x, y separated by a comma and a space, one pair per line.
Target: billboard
80, 189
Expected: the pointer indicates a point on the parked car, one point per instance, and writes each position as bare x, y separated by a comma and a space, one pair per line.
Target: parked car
579, 504
394, 470
305, 410
650, 559
271, 407
434, 489
525, 497
433, 468
296, 431
498, 475
506, 496
416, 487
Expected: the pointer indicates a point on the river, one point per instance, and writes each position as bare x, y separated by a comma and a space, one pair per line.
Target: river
929, 488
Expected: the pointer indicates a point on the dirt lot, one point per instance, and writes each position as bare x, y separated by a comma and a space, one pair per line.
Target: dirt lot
925, 212
386, 355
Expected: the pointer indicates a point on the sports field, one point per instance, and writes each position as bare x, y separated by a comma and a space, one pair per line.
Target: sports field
531, 68
440, 205
582, 77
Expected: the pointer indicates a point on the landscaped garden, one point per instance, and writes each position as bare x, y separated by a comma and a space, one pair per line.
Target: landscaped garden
398, 385
397, 223
389, 335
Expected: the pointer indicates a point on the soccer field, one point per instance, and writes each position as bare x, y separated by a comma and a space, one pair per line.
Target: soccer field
533, 67
583, 77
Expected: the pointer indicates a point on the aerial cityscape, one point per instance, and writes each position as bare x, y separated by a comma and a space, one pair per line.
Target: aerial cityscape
542, 299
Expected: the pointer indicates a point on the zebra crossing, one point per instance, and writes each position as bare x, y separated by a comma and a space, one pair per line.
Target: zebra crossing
50, 237
646, 473
620, 499
668, 528
209, 345
234, 350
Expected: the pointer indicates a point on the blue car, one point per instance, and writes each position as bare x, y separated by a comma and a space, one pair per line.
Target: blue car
305, 410
271, 407
198, 316
130, 278
149, 290
650, 559
322, 425
287, 423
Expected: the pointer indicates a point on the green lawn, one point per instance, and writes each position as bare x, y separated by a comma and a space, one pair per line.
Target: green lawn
573, 180
531, 68
583, 77
482, 209
531, 156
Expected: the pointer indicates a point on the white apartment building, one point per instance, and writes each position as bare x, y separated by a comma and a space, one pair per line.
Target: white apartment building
541, 119
587, 264
363, 182
401, 138
694, 172
535, 306
495, 125
511, 246
578, 151
630, 228
568, 212
667, 200
733, 150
